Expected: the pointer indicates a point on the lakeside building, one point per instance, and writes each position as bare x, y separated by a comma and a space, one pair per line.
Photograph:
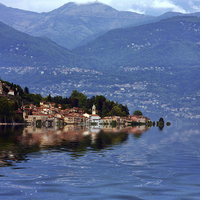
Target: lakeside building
49, 115
93, 118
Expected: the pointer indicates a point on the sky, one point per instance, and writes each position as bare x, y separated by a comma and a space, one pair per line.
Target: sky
148, 7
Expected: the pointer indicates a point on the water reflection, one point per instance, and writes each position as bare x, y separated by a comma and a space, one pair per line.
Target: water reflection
16, 142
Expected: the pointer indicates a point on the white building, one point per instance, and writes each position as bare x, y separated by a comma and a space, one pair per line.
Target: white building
11, 92
93, 118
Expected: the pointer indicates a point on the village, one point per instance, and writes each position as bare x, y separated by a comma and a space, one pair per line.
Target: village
49, 115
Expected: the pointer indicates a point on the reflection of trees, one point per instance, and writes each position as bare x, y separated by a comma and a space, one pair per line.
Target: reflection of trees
161, 124
16, 143
105, 139
9, 145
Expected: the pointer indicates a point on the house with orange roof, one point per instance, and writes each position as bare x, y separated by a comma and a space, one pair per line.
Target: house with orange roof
74, 118
11, 92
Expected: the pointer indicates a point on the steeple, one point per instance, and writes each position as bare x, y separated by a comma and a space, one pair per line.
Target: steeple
94, 110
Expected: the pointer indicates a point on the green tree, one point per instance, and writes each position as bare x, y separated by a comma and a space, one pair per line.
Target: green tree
82, 100
74, 94
49, 98
26, 90
99, 103
138, 113
74, 102
6, 109
116, 111
5, 89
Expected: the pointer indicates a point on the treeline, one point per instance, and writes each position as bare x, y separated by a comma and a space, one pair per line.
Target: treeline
10, 104
7, 111
104, 107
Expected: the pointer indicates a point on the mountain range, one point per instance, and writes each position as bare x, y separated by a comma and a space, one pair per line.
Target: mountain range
73, 25
150, 64
169, 42
70, 24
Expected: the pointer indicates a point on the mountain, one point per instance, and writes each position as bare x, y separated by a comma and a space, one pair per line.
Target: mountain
153, 67
20, 49
170, 42
72, 23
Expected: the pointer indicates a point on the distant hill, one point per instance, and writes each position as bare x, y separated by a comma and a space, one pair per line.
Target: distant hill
20, 49
152, 67
170, 42
70, 24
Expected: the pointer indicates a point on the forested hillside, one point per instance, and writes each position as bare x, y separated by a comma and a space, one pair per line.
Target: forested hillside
170, 42
19, 49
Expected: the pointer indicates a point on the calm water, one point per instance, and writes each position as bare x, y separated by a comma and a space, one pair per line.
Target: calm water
76, 163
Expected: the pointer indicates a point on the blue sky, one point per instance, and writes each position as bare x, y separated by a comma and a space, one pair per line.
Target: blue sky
149, 7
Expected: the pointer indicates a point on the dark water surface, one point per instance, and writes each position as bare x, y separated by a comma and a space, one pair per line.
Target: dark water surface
76, 163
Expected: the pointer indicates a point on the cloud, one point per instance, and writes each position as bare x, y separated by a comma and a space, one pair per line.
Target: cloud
44, 5
195, 5
157, 7
150, 7
136, 11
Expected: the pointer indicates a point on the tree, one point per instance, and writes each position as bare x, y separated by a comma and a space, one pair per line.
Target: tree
138, 113
74, 94
74, 102
6, 108
26, 90
5, 89
124, 108
82, 100
161, 120
49, 98
99, 102
116, 111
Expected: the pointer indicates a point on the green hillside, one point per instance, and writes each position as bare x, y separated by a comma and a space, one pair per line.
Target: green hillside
20, 49
169, 42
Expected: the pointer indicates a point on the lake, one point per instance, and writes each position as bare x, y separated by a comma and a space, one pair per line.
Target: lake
89, 163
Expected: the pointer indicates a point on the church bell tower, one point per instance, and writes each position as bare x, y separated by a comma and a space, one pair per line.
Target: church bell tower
94, 110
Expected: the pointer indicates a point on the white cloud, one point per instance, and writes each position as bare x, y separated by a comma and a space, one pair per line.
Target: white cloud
142, 6
136, 11
158, 4
195, 5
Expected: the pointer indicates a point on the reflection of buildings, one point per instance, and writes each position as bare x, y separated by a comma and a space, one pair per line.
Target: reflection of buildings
50, 136
53, 136
75, 138
138, 129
